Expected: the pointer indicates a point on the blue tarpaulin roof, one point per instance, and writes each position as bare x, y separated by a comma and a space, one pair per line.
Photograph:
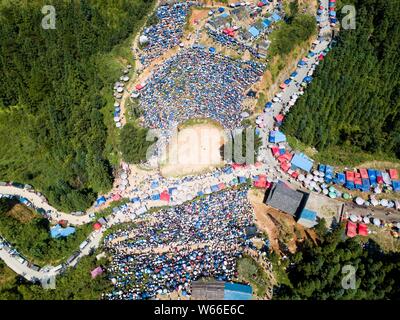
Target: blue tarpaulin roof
154, 184
135, 200
328, 169
275, 17
225, 15
254, 31
307, 79
236, 291
170, 190
308, 214
396, 186
228, 170
341, 177
214, 188
57, 231
302, 162
242, 179
277, 137
266, 23
100, 201
155, 197
371, 173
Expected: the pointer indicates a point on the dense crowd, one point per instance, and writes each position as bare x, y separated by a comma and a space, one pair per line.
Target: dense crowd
167, 32
196, 83
178, 245
231, 43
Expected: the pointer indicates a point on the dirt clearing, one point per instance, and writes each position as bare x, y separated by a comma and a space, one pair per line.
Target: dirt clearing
282, 230
193, 149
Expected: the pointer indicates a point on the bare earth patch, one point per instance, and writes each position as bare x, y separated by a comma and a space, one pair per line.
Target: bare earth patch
194, 149
280, 227
21, 213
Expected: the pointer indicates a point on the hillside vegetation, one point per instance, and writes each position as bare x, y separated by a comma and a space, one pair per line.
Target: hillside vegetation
54, 91
321, 272
354, 101
29, 233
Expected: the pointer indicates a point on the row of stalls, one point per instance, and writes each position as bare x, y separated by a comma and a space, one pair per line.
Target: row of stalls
332, 12
358, 225
362, 179
119, 88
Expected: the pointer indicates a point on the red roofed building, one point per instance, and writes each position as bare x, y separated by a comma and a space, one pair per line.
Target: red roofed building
97, 226
295, 174
116, 197
349, 175
362, 229
237, 166
394, 175
139, 87
279, 117
351, 229
164, 196
285, 166
221, 186
364, 173
275, 151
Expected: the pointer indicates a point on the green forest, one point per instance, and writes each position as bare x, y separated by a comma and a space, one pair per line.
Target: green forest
75, 284
353, 104
55, 93
315, 272
29, 233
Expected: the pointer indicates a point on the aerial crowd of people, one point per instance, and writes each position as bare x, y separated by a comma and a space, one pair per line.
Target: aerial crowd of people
178, 245
166, 33
198, 83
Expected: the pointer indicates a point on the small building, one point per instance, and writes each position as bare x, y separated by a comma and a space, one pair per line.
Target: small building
240, 13
307, 218
208, 290
254, 32
282, 197
237, 291
220, 290
302, 162
220, 21
263, 48
59, 232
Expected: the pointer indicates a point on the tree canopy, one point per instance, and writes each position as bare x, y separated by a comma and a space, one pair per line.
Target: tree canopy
32, 237
53, 90
316, 272
354, 100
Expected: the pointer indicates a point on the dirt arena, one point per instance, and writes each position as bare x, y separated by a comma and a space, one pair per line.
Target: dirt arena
193, 149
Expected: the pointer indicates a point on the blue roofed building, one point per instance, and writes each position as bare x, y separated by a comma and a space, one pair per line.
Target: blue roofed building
254, 32
266, 23
275, 17
307, 218
59, 232
220, 290
237, 291
302, 162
